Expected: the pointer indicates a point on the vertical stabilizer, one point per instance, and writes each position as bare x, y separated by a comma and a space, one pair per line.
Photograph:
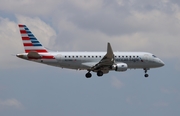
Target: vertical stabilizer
30, 42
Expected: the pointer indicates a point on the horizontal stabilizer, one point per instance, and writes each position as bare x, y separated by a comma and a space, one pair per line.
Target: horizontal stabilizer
33, 55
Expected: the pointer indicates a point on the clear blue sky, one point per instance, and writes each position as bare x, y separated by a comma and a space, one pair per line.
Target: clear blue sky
31, 89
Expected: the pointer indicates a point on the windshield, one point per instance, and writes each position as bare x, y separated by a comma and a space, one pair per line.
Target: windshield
154, 56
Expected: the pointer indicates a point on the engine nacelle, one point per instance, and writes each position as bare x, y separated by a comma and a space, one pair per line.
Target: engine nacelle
120, 67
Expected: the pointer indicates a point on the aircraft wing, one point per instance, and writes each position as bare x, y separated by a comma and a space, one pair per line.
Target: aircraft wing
89, 64
106, 61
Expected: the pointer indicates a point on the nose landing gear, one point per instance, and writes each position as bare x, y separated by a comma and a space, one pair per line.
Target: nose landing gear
146, 75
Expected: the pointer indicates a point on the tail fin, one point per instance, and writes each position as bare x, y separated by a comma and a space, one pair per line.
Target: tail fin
30, 42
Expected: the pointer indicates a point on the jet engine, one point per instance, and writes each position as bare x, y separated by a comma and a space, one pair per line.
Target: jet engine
120, 67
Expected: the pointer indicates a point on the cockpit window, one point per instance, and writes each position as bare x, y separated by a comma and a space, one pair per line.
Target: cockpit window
154, 56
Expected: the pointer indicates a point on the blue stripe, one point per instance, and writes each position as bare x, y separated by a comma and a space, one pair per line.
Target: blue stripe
37, 45
27, 31
26, 28
35, 41
32, 38
30, 34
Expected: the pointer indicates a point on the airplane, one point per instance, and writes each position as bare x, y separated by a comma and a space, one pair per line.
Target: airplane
98, 62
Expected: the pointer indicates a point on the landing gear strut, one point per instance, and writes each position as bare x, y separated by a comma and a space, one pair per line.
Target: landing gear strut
88, 75
146, 75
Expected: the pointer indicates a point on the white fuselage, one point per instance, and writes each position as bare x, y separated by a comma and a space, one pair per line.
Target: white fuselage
85, 60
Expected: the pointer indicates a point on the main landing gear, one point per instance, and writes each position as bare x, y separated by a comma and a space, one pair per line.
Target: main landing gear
89, 75
99, 73
146, 75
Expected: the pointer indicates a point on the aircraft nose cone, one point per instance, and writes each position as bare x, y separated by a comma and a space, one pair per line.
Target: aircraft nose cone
161, 63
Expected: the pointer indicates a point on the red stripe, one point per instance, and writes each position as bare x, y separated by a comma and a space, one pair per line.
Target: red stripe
43, 57
47, 57
28, 44
27, 51
25, 38
23, 32
21, 25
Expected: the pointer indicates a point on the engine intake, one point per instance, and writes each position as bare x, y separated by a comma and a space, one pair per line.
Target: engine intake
120, 67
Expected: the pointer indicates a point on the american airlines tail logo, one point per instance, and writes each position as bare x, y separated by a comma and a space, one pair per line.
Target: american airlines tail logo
30, 42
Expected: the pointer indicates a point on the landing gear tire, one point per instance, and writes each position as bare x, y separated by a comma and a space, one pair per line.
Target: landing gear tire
88, 75
146, 75
99, 73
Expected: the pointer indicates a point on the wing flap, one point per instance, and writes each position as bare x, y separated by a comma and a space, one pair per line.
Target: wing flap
89, 64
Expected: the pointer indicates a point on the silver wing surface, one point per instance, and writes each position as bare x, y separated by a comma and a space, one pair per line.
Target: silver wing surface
106, 62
